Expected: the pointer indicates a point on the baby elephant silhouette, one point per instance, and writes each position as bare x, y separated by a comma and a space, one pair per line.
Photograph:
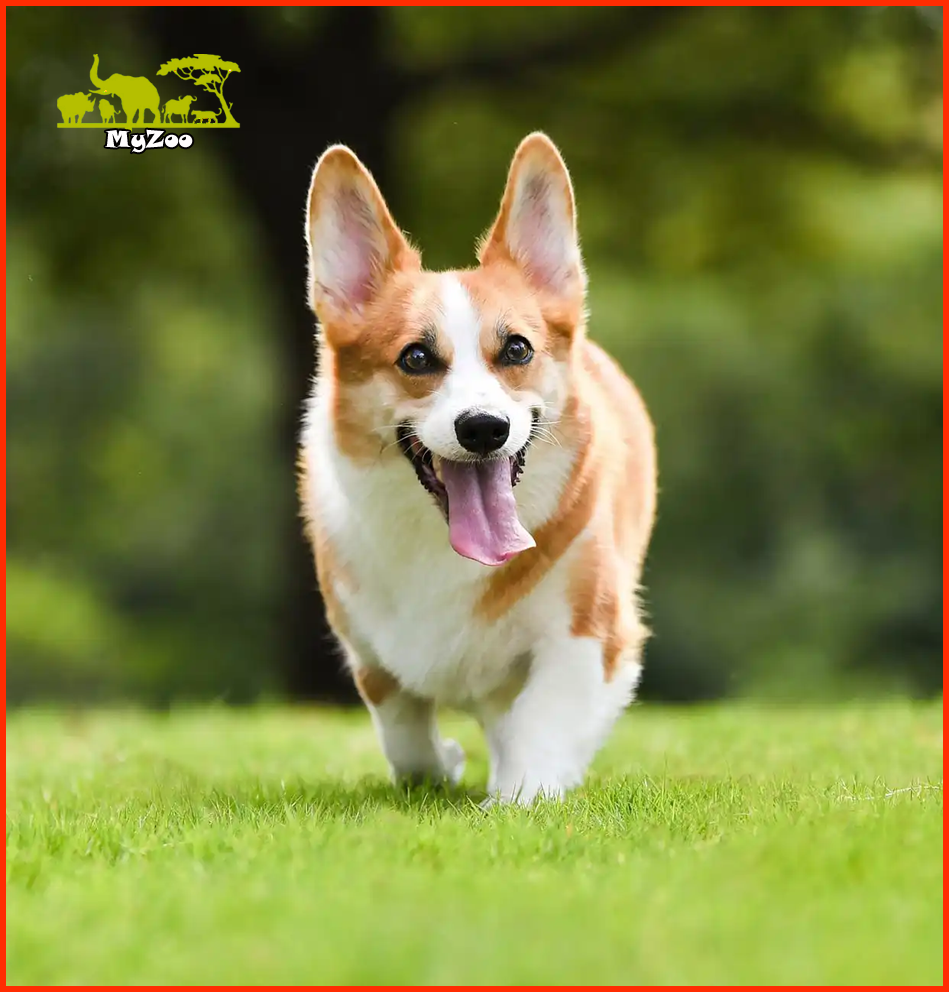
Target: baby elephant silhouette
205, 116
106, 112
74, 106
178, 108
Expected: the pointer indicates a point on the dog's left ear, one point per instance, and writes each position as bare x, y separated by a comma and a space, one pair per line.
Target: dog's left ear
536, 227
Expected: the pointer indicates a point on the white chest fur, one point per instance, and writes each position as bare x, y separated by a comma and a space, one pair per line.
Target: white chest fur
410, 600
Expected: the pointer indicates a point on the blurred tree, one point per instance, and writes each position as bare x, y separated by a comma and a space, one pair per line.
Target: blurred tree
759, 195
339, 82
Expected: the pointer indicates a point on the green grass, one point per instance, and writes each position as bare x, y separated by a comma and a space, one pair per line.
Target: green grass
724, 845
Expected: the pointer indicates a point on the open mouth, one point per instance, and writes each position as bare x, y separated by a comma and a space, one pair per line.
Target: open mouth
429, 468
475, 497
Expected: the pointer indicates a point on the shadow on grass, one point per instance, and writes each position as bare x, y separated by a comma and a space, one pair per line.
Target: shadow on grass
339, 800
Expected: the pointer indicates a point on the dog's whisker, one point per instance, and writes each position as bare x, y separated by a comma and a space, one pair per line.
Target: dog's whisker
546, 436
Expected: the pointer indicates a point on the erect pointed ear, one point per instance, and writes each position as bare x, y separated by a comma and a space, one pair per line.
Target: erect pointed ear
536, 227
353, 242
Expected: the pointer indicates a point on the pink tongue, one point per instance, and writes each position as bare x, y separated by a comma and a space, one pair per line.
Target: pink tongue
482, 514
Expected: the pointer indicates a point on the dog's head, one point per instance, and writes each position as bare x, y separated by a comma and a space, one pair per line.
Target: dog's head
459, 370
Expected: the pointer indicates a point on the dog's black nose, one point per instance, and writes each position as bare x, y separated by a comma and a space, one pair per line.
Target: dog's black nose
482, 433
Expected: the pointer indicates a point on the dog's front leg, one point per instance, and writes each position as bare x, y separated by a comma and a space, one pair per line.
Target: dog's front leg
406, 728
543, 743
410, 740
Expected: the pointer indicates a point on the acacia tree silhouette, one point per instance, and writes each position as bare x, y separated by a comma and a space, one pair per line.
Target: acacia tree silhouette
210, 72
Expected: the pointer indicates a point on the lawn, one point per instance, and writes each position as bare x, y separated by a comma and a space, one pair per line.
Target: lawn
721, 845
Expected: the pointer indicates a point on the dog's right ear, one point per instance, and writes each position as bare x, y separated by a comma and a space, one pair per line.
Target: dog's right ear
354, 244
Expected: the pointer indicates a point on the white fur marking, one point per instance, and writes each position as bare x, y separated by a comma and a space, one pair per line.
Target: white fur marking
542, 744
470, 386
410, 741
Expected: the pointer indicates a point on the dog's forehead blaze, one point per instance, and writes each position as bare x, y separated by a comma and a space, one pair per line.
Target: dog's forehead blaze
507, 304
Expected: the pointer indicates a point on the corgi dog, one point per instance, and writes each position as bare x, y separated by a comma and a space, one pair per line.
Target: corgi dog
477, 480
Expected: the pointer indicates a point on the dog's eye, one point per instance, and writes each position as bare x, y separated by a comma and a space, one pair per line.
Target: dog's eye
416, 359
517, 351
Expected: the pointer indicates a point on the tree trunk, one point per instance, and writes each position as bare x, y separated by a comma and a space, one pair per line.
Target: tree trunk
292, 105
293, 101
225, 106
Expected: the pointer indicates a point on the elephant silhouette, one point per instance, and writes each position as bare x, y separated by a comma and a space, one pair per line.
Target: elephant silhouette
106, 112
74, 106
137, 93
178, 108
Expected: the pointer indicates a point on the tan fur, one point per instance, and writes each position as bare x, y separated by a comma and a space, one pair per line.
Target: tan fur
605, 512
511, 582
403, 312
375, 685
605, 575
611, 493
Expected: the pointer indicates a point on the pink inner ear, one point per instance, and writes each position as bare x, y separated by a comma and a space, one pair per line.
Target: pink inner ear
353, 252
540, 233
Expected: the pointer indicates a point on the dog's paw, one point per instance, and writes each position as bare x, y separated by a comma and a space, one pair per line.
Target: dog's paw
447, 767
453, 758
524, 796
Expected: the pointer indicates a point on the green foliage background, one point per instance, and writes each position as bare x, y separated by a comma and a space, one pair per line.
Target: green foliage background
760, 203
